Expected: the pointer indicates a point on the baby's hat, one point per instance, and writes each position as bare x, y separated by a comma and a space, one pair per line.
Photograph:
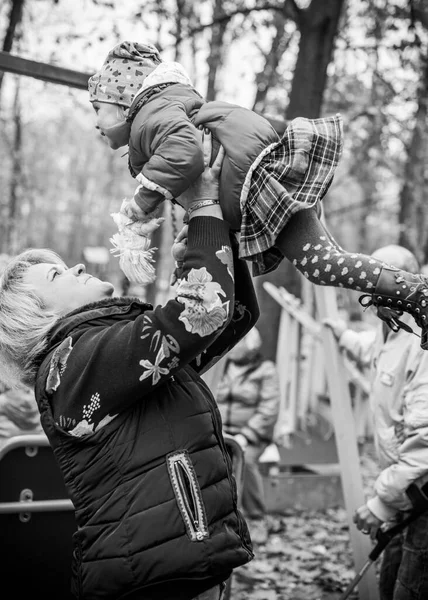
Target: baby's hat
123, 73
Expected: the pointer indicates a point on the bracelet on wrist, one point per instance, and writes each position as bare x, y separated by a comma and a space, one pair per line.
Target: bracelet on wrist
201, 204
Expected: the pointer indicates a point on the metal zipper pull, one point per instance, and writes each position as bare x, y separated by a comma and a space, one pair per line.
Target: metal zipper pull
199, 534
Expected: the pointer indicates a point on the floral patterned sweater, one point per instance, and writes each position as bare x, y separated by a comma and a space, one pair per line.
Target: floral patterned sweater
138, 347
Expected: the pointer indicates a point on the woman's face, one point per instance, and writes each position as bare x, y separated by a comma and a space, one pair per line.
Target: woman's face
112, 124
63, 290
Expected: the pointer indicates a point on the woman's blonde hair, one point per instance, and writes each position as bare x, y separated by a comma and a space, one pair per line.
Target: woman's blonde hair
24, 319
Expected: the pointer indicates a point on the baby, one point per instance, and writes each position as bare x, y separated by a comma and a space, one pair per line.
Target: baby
270, 187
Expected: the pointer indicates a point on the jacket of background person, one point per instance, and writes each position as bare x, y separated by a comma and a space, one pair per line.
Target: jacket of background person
399, 403
248, 399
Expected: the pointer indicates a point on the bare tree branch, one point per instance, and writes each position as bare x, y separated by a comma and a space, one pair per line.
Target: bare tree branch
221, 19
15, 17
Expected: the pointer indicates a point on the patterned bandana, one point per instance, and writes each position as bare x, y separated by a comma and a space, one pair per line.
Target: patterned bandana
123, 73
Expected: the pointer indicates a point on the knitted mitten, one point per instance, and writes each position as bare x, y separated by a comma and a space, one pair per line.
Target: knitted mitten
132, 245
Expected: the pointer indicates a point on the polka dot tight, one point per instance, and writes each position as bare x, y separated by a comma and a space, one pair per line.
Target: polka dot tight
310, 247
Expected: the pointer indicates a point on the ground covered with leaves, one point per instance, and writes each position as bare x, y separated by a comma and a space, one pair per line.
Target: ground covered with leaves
307, 556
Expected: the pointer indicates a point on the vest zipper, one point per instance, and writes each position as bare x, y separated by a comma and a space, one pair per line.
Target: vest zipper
190, 504
188, 495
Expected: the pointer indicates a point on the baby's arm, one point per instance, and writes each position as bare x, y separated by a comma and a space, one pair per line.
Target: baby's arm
176, 156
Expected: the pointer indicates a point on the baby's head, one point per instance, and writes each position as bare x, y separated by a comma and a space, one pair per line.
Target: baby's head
113, 88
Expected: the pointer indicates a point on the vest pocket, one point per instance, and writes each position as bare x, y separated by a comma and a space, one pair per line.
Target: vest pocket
188, 494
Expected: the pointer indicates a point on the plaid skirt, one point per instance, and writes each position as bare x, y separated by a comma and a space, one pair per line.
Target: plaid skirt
290, 175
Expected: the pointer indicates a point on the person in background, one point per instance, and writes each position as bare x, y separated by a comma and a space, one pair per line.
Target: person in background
248, 399
399, 404
18, 413
134, 428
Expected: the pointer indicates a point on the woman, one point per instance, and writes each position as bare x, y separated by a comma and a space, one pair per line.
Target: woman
248, 399
135, 430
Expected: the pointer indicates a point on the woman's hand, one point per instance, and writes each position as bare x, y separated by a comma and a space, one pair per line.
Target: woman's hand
206, 187
178, 250
180, 244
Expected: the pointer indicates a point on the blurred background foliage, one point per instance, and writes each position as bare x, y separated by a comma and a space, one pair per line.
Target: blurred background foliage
367, 59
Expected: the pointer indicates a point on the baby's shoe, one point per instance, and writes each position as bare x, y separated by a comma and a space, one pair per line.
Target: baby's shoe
402, 291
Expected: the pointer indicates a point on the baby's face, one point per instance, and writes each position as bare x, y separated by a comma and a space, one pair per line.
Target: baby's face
111, 122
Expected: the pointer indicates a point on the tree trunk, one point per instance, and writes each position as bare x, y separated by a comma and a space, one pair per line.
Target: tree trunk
179, 18
16, 178
15, 18
362, 168
215, 56
365, 212
318, 26
267, 77
413, 218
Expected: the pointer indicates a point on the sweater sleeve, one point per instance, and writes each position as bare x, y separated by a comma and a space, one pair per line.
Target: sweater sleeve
176, 156
245, 315
110, 367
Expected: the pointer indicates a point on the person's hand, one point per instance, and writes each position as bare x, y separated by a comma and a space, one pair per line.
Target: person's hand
147, 228
206, 187
129, 220
242, 440
366, 521
20, 407
180, 245
178, 250
133, 212
337, 326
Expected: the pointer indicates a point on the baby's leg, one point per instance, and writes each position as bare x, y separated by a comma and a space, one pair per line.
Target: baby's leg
305, 242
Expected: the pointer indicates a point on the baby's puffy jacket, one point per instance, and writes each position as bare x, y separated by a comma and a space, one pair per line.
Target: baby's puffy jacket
166, 154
